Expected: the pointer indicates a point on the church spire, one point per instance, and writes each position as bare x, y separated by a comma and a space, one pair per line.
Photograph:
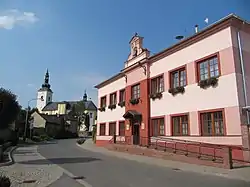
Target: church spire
85, 96
46, 80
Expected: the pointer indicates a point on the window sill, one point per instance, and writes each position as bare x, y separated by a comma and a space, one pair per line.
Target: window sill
213, 81
176, 90
134, 101
157, 95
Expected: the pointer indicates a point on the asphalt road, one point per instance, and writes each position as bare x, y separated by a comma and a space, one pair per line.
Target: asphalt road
105, 171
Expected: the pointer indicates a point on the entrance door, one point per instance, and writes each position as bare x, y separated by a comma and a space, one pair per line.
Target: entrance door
136, 134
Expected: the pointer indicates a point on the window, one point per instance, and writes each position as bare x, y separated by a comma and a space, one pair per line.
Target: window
158, 127
102, 129
121, 128
178, 78
90, 115
157, 85
208, 68
212, 123
49, 99
112, 128
180, 125
103, 101
135, 91
112, 99
122, 96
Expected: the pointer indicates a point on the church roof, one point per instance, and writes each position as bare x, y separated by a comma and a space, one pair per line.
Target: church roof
45, 89
89, 105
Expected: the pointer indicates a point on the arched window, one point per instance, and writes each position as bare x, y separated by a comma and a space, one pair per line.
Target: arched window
135, 52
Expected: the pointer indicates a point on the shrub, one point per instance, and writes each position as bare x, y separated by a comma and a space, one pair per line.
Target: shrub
44, 137
4, 181
36, 138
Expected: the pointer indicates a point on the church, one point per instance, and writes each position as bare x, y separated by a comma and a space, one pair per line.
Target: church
47, 107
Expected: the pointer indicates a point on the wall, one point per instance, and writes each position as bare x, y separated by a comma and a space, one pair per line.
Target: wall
142, 56
46, 96
39, 122
51, 112
227, 95
245, 43
61, 108
196, 99
92, 120
110, 115
135, 76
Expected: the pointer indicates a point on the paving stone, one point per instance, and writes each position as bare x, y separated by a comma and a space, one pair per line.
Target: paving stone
23, 170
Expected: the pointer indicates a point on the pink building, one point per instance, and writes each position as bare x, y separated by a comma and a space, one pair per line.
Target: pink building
194, 90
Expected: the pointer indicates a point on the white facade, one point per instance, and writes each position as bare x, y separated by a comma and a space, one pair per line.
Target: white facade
44, 97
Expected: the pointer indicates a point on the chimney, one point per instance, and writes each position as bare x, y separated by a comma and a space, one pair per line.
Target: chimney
196, 28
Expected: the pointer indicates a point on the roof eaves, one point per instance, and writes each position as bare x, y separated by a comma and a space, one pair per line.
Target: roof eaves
113, 78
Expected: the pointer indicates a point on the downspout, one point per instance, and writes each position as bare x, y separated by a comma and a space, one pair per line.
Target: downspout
243, 74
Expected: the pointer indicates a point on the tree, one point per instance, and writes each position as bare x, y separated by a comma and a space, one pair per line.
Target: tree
9, 108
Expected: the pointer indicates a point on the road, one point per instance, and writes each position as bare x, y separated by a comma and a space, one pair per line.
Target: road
105, 171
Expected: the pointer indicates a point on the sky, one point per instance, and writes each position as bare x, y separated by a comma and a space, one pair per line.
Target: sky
83, 42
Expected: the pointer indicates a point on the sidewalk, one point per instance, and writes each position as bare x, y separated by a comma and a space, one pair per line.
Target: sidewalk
240, 173
25, 174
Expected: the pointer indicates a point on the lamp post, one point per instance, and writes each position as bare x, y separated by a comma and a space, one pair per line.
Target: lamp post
27, 115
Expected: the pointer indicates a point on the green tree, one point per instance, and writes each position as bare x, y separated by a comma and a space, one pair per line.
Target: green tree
79, 112
9, 109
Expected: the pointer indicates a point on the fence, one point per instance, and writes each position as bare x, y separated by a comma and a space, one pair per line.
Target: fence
205, 151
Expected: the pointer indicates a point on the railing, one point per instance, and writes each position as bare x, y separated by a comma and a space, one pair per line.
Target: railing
204, 151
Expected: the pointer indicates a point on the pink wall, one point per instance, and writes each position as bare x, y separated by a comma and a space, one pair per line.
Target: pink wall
135, 76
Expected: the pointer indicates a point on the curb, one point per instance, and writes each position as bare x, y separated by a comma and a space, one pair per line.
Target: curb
11, 160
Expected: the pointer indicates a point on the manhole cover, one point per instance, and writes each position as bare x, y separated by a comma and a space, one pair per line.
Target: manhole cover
78, 177
29, 181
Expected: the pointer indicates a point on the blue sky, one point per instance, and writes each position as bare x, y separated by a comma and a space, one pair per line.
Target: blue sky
83, 42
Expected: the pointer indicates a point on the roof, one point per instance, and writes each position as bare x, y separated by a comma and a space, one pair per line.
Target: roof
45, 89
51, 118
56, 119
182, 44
89, 105
132, 114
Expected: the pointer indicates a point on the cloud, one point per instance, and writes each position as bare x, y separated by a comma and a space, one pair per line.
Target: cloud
30, 85
9, 19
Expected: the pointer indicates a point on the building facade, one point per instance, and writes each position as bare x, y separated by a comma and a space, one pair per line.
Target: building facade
47, 106
194, 90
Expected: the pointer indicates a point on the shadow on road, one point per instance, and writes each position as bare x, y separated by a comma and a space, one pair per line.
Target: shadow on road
61, 161
26, 144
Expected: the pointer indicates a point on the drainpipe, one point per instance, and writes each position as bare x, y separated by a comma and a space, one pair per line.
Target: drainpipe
243, 74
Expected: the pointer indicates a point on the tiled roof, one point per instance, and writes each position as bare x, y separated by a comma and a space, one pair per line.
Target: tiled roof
89, 105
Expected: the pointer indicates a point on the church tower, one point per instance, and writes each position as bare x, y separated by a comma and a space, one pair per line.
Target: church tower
85, 96
45, 93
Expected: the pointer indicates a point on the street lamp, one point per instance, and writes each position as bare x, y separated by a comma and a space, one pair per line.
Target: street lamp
27, 114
